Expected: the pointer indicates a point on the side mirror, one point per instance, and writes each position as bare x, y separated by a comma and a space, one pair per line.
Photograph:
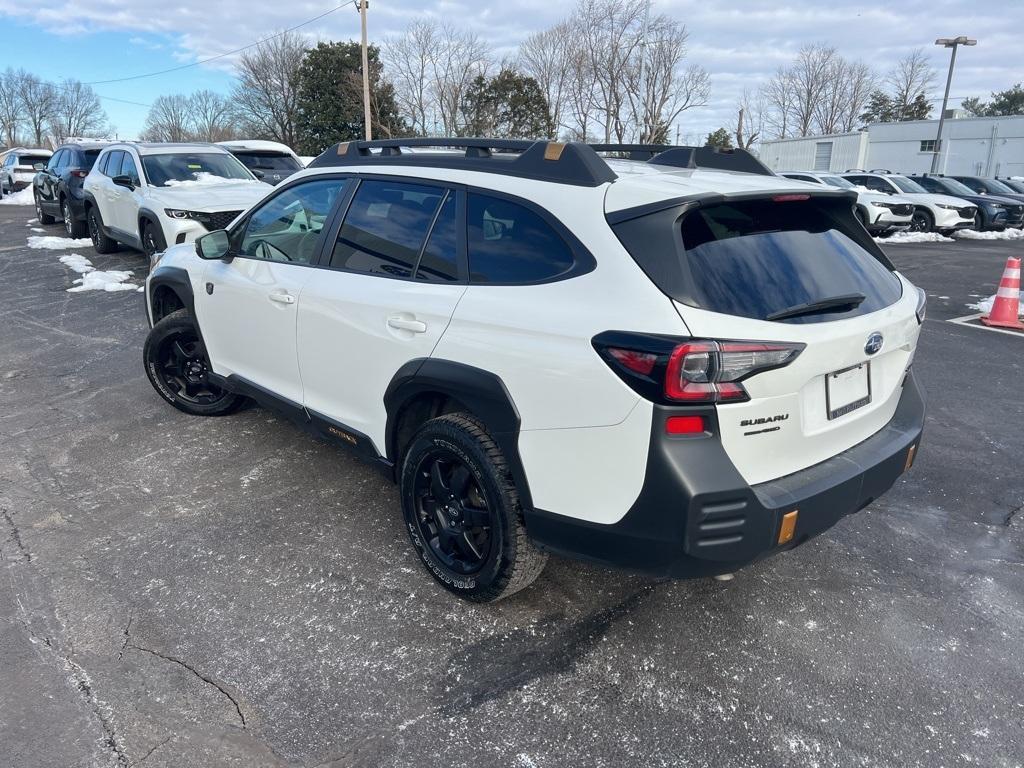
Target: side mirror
214, 245
123, 181
39, 166
258, 173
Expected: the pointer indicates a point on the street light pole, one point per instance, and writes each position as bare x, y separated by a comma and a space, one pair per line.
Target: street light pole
947, 42
363, 5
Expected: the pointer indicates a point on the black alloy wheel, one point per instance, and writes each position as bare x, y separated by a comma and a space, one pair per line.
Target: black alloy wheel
182, 367
452, 516
920, 222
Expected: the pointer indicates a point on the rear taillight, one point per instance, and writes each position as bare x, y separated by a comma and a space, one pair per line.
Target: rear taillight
690, 372
710, 371
79, 174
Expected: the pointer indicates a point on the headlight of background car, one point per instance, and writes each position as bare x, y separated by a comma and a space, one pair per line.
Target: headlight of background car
950, 207
177, 213
995, 207
887, 206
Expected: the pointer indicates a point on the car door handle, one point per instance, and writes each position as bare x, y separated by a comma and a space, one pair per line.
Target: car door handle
401, 323
282, 298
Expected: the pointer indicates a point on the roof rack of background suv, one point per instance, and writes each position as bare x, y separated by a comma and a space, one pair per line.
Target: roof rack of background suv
565, 163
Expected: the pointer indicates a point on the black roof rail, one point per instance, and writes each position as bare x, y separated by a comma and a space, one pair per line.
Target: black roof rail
738, 160
632, 151
564, 163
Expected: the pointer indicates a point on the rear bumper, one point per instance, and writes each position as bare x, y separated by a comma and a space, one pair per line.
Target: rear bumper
695, 516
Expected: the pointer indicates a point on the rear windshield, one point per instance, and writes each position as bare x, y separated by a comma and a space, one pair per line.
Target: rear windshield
90, 157
268, 161
31, 160
758, 258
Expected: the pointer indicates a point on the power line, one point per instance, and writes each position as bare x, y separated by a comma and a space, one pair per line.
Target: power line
220, 55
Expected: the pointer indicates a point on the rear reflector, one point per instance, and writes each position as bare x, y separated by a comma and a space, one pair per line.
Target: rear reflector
79, 174
684, 425
638, 362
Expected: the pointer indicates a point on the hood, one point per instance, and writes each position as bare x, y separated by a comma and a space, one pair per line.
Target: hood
931, 197
227, 196
997, 199
878, 197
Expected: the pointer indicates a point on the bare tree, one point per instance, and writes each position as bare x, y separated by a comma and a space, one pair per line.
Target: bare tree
910, 80
77, 112
211, 115
11, 116
749, 119
266, 93
461, 58
580, 91
666, 89
544, 56
38, 99
169, 119
810, 76
860, 81
779, 95
408, 59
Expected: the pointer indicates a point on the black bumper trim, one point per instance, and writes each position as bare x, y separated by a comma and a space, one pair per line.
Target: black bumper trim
696, 516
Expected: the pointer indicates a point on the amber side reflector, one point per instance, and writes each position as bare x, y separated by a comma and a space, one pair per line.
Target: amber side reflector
343, 148
553, 150
788, 527
910, 458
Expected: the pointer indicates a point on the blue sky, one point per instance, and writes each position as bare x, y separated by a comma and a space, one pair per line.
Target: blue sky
740, 43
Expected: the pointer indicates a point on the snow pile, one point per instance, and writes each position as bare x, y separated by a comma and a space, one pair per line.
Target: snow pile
1006, 234
913, 237
93, 279
204, 179
24, 197
985, 306
38, 229
50, 243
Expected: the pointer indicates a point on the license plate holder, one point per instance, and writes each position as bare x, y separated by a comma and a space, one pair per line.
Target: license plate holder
847, 389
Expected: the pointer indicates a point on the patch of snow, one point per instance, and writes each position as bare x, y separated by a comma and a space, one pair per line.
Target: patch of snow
97, 280
77, 262
1006, 234
38, 229
30, 222
913, 237
51, 243
24, 197
985, 306
204, 179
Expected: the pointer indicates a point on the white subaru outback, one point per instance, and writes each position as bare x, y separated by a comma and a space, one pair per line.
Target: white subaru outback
675, 362
151, 195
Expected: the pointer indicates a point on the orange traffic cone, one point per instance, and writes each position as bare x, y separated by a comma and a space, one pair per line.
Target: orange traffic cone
1007, 303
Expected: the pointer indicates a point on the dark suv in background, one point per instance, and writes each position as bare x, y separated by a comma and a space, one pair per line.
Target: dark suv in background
58, 187
994, 211
270, 161
989, 187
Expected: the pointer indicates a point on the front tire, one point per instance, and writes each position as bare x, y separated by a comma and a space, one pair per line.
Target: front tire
72, 226
153, 241
462, 511
177, 366
44, 218
100, 241
922, 221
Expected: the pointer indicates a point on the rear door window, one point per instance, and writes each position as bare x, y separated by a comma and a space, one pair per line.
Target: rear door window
113, 166
757, 258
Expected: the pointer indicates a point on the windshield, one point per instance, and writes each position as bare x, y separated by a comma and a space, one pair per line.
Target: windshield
268, 161
997, 187
31, 160
1016, 186
952, 186
837, 181
906, 185
200, 167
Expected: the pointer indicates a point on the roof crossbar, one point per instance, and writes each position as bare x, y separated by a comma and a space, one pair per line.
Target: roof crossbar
564, 163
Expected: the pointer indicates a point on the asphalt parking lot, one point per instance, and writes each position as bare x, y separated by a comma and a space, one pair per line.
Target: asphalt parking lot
230, 592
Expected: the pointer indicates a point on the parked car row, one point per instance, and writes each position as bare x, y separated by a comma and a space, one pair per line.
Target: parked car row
147, 195
889, 202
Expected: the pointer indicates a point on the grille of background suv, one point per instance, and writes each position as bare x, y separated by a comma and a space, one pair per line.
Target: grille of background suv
218, 220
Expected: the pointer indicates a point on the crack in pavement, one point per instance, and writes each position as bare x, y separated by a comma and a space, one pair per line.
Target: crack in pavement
127, 629
16, 535
208, 680
154, 749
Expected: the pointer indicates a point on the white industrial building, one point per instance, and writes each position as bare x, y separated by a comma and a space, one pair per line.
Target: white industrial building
972, 146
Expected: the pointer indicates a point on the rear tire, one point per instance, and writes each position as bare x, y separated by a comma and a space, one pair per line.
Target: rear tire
72, 226
462, 511
100, 241
177, 365
44, 218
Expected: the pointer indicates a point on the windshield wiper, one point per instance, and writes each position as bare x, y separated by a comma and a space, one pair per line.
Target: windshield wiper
833, 303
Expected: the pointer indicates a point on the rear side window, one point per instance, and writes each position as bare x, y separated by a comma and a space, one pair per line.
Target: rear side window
113, 164
509, 243
440, 260
758, 258
385, 228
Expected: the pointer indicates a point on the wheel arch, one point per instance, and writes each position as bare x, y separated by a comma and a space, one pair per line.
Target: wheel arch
170, 289
427, 387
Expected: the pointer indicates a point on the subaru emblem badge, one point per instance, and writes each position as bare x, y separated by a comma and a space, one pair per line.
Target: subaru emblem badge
874, 343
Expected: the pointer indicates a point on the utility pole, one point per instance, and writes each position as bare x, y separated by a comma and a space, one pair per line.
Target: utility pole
363, 5
947, 42
643, 75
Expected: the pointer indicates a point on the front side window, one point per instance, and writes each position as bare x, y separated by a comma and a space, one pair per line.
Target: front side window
509, 243
385, 228
168, 170
128, 169
287, 228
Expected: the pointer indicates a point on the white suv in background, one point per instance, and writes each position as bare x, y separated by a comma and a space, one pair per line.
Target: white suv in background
880, 214
18, 168
932, 213
151, 195
678, 366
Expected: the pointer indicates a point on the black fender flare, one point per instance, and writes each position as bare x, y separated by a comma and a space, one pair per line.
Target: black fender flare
482, 392
177, 281
146, 214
